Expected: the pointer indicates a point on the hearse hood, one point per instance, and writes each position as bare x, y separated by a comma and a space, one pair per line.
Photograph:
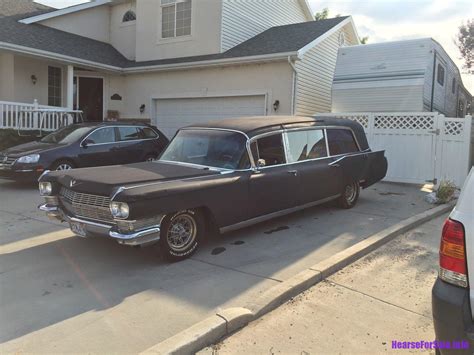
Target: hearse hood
106, 180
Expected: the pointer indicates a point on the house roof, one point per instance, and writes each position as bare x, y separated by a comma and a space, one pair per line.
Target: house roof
23, 7
42, 40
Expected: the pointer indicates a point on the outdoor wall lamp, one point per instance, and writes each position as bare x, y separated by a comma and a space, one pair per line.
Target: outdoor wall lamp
34, 79
276, 105
142, 108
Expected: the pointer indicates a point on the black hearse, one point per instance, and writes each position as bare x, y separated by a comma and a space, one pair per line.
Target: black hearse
224, 174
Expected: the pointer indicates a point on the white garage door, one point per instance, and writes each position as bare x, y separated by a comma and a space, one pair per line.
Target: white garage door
172, 114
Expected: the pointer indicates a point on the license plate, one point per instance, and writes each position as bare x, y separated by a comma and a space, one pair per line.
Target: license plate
78, 229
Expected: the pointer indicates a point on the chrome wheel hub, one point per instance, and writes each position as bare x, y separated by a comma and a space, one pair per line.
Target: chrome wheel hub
350, 192
182, 232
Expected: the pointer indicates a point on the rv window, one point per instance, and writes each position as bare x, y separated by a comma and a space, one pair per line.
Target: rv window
440, 77
453, 88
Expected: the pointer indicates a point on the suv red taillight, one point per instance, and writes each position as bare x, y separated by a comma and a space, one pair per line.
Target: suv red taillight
452, 254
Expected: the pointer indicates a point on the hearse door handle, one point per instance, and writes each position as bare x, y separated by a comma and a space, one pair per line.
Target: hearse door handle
294, 172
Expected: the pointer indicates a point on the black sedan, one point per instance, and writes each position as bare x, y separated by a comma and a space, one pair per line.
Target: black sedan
83, 145
223, 175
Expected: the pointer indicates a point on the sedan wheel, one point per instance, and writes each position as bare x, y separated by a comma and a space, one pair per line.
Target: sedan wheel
180, 233
62, 165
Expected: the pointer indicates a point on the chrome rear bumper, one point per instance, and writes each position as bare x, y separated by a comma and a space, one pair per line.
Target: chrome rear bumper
145, 236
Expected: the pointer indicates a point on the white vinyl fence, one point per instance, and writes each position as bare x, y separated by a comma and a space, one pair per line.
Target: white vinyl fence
420, 146
28, 117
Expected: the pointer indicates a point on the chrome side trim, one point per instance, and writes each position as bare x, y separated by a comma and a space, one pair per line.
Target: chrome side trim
119, 141
266, 217
135, 235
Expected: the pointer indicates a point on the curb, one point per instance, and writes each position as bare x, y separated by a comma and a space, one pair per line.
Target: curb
225, 322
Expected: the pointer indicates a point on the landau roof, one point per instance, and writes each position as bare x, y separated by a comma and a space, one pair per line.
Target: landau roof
280, 39
253, 126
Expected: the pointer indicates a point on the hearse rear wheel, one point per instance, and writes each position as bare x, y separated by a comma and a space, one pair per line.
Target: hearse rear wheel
180, 234
350, 195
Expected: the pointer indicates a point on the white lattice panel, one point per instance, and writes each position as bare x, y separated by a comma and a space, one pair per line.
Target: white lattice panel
405, 122
453, 128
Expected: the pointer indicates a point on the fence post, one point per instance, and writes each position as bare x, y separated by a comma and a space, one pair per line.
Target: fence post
469, 141
35, 114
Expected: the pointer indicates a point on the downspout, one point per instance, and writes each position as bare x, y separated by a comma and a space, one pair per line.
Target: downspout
293, 84
433, 80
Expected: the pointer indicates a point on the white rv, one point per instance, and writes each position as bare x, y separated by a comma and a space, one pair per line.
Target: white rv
408, 76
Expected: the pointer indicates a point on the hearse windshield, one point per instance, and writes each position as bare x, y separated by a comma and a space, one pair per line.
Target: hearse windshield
66, 135
212, 148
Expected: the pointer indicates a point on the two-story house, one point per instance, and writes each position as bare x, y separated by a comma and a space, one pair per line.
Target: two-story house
174, 62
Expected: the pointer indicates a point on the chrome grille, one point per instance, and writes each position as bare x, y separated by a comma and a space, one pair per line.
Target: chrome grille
88, 206
6, 161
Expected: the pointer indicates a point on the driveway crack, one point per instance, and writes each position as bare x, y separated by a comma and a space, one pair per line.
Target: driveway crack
237, 270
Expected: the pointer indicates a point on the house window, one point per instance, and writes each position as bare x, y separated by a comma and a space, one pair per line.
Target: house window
129, 16
54, 86
453, 87
175, 18
440, 76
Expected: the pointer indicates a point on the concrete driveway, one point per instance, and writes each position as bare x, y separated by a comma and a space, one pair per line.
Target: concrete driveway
61, 293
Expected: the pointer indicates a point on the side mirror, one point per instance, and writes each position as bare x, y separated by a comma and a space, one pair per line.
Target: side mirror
85, 143
261, 163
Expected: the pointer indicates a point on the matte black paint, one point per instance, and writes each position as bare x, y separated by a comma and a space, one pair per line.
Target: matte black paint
157, 188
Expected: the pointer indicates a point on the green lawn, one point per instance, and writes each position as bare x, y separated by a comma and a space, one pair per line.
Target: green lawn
10, 138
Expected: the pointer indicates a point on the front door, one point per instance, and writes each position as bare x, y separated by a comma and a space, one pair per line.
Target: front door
100, 148
90, 98
274, 187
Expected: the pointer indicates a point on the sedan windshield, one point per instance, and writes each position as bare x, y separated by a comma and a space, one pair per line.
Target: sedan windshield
213, 148
66, 135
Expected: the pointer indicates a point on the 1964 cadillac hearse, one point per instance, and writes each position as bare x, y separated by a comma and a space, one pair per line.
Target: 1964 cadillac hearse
224, 174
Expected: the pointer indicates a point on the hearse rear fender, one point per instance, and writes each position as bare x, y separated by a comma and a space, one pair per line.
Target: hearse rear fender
368, 167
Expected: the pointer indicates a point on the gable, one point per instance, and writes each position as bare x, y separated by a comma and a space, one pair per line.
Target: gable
244, 19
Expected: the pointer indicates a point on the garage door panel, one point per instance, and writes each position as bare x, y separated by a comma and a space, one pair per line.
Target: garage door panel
172, 114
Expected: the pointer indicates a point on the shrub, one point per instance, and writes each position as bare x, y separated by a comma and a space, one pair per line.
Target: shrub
445, 191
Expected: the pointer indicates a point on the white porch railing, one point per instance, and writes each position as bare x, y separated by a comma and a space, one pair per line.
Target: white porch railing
420, 146
29, 117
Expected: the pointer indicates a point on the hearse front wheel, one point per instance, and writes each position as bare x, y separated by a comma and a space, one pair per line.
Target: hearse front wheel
180, 234
350, 194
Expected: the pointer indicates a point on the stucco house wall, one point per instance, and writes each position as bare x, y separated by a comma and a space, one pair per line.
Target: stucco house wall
123, 34
204, 38
275, 79
92, 23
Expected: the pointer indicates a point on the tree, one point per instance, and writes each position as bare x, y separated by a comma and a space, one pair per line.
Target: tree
323, 15
465, 42
364, 40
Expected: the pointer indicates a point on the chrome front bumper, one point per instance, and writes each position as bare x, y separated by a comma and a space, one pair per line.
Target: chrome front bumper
145, 236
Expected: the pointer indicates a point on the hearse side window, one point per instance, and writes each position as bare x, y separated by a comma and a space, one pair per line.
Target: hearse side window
146, 133
304, 145
440, 76
271, 150
128, 133
102, 135
341, 141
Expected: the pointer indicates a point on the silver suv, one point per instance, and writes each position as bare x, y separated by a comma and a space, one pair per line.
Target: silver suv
453, 292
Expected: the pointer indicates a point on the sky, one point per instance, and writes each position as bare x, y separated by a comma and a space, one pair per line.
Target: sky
390, 20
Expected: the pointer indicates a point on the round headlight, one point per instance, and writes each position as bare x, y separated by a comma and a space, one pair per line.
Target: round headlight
29, 159
119, 210
45, 188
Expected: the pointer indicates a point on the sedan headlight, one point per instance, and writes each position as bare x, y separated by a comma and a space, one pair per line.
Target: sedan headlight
119, 210
29, 159
45, 188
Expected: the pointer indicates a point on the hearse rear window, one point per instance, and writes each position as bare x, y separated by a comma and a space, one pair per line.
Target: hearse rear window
304, 145
341, 141
271, 150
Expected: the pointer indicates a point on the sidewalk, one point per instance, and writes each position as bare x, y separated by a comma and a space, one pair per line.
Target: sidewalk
383, 297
